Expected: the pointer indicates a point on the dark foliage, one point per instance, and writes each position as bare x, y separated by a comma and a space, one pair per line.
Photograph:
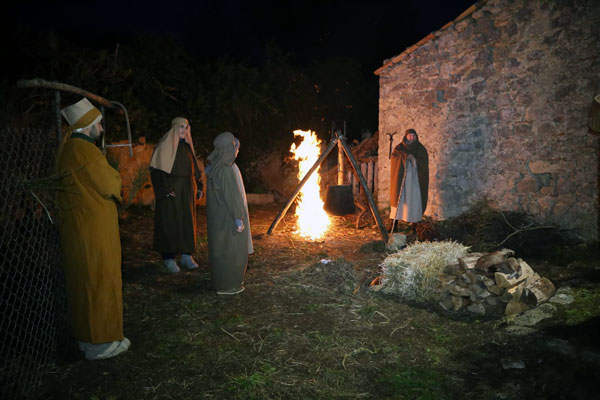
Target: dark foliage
486, 229
157, 79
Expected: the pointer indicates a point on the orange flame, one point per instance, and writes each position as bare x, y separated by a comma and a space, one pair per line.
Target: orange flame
313, 221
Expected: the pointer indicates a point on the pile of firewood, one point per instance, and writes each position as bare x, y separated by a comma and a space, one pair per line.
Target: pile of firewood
491, 284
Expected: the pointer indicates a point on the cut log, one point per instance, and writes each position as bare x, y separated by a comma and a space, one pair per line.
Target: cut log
525, 269
538, 292
515, 307
531, 279
505, 280
469, 261
515, 291
515, 286
508, 266
488, 260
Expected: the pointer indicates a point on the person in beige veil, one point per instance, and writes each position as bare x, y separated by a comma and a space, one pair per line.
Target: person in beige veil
177, 183
228, 222
89, 230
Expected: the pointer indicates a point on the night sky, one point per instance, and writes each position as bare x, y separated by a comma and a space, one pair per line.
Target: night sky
370, 31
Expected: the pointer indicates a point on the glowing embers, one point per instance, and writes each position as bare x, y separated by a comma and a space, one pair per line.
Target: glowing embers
313, 221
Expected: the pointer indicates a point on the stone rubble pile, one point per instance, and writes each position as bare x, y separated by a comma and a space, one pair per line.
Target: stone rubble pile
492, 284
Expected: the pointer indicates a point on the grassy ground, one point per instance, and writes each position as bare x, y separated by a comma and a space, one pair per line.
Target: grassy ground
308, 330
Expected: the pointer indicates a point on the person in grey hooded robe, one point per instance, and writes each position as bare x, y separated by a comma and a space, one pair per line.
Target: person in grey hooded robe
228, 224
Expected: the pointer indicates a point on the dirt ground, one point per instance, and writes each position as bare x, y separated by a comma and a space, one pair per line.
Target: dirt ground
308, 328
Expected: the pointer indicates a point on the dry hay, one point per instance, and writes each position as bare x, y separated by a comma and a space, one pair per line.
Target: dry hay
337, 275
411, 273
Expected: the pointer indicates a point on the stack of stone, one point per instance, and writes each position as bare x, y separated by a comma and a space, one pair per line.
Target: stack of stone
491, 284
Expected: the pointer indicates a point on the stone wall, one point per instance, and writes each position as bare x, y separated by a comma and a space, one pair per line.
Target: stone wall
500, 98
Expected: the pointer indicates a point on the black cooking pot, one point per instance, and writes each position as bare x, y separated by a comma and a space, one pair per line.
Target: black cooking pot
339, 200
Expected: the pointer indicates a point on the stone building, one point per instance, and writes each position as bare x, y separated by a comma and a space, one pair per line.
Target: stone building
500, 97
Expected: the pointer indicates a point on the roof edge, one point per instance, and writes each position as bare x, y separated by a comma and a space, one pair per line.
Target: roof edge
433, 35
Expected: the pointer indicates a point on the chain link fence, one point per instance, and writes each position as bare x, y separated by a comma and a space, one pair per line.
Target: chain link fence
32, 295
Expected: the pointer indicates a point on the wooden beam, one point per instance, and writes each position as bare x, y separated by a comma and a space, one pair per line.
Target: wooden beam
41, 83
363, 183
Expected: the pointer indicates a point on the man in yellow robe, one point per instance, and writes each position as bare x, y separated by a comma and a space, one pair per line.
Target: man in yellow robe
89, 230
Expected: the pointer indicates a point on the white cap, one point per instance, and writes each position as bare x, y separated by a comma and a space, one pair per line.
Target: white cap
81, 115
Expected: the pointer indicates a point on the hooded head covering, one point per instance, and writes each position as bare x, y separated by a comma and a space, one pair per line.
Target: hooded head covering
81, 115
226, 146
166, 149
405, 139
397, 167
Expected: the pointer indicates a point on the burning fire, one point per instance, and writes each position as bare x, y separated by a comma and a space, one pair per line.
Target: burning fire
313, 221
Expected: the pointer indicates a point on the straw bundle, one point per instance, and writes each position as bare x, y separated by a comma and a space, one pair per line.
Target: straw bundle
412, 273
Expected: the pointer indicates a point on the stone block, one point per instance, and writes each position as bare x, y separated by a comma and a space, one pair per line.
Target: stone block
514, 307
441, 84
458, 303
440, 96
527, 185
523, 129
478, 87
546, 129
477, 308
508, 114
446, 303
543, 180
546, 203
396, 241
540, 167
422, 84
587, 191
